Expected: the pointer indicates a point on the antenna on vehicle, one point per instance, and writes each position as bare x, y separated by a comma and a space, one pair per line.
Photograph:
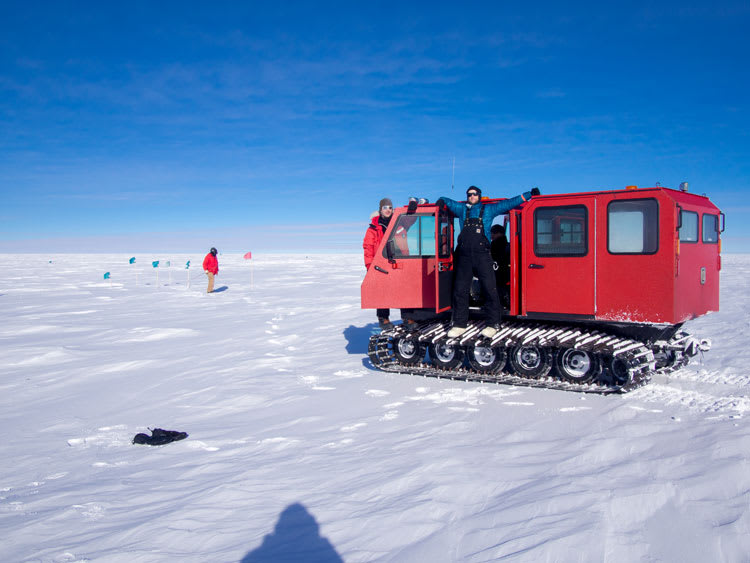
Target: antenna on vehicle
453, 176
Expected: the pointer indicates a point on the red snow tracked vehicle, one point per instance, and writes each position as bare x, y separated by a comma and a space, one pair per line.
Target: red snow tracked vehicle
600, 285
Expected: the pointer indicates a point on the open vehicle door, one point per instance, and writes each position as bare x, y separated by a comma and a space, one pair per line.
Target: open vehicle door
444, 260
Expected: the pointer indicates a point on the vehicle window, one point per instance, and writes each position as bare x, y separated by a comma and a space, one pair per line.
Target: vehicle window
710, 228
633, 226
689, 226
561, 231
412, 237
427, 235
445, 242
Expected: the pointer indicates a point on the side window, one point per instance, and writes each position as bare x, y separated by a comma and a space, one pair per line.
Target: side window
427, 235
561, 231
633, 226
689, 226
446, 223
412, 237
710, 228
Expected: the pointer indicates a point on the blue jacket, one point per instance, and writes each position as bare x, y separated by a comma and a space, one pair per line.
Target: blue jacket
491, 210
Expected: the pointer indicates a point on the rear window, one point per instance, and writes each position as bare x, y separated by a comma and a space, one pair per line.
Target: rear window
711, 228
561, 231
633, 226
689, 226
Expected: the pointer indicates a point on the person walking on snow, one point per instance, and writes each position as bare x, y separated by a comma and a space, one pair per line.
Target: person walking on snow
473, 256
211, 267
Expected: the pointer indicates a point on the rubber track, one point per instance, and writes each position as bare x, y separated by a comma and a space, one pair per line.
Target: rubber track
635, 355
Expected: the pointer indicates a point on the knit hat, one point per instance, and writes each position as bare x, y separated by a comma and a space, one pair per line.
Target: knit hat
385, 201
474, 188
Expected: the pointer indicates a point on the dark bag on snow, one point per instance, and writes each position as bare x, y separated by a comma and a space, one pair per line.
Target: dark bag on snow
159, 437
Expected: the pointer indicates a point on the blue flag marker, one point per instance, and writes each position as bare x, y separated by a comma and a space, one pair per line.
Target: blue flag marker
155, 263
106, 275
132, 260
187, 265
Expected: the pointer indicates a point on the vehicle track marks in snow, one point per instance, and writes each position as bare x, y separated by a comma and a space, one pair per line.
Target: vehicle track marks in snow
695, 401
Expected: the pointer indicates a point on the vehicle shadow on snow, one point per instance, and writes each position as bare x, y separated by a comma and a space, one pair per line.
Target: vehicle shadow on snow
358, 337
296, 537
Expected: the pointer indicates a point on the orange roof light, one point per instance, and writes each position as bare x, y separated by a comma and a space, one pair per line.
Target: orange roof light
631, 187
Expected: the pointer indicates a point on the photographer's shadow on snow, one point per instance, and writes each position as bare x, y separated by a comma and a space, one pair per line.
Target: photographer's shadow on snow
296, 538
358, 337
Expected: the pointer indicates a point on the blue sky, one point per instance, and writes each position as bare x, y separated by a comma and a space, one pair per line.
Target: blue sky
166, 126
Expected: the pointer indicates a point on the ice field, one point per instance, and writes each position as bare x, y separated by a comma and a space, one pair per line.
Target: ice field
299, 450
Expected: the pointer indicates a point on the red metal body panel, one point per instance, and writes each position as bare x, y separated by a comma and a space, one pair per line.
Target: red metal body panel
691, 297
563, 285
636, 287
407, 281
661, 286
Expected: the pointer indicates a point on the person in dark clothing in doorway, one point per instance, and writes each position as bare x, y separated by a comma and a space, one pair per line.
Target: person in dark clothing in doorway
500, 251
473, 256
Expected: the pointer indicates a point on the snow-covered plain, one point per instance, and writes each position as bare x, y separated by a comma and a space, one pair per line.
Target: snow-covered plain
299, 450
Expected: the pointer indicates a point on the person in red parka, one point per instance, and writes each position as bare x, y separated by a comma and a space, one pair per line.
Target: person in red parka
211, 267
375, 231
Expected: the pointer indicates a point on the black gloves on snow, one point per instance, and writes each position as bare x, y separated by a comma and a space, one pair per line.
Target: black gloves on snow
159, 437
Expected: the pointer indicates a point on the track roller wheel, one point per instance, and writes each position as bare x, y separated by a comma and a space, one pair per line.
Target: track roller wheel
619, 370
407, 349
530, 361
667, 360
578, 366
446, 356
486, 359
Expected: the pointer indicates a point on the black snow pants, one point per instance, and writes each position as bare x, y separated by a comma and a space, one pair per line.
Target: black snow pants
473, 259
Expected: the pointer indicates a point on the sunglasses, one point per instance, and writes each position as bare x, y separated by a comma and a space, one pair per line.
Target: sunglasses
387, 207
472, 193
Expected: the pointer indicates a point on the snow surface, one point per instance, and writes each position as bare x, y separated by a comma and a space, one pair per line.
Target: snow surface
299, 450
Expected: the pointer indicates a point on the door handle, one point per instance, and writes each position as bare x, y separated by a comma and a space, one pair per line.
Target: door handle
379, 269
535, 266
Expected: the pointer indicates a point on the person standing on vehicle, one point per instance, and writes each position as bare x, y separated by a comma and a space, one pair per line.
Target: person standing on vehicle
473, 256
211, 267
375, 231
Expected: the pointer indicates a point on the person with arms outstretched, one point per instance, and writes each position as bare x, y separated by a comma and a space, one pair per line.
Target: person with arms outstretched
473, 256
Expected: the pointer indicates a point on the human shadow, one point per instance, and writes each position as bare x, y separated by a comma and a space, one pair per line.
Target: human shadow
296, 538
220, 289
358, 338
